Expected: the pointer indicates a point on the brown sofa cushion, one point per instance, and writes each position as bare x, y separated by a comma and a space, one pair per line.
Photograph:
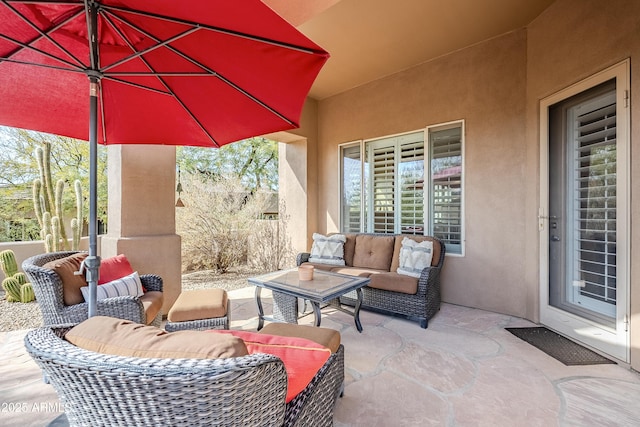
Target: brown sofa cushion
152, 302
398, 245
108, 335
199, 304
394, 282
71, 284
373, 252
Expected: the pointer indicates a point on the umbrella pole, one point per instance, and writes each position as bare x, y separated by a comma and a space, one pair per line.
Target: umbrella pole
92, 262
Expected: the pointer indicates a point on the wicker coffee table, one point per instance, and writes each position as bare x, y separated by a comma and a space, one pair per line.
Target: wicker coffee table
325, 289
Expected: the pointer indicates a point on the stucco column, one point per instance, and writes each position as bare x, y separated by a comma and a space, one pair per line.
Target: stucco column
298, 177
141, 215
294, 190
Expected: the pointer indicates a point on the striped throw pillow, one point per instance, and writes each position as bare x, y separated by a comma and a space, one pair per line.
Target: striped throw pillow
128, 285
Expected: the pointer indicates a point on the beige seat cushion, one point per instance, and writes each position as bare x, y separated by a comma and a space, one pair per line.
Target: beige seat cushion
357, 271
152, 302
394, 282
108, 335
373, 252
326, 337
199, 304
398, 245
71, 284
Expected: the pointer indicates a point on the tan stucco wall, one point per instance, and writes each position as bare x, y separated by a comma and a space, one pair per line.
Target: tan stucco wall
484, 85
570, 41
496, 87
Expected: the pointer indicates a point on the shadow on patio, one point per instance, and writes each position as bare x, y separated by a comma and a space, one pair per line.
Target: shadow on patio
465, 369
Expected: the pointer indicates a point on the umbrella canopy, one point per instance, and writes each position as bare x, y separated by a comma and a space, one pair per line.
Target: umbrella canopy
190, 72
193, 72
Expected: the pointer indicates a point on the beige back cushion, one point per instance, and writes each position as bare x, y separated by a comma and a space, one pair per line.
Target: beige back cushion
71, 284
373, 251
349, 249
108, 335
398, 245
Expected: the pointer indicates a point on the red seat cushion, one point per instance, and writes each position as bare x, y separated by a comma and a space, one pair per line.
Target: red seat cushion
302, 358
114, 268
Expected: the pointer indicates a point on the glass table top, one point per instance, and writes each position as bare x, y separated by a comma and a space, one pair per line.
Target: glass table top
325, 285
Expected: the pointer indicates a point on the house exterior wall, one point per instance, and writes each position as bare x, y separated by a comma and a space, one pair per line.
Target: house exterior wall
496, 87
484, 85
572, 40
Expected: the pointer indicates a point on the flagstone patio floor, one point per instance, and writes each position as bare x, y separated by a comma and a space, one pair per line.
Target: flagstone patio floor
464, 370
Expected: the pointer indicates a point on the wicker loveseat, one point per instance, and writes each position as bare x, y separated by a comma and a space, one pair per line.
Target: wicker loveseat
376, 256
107, 390
48, 288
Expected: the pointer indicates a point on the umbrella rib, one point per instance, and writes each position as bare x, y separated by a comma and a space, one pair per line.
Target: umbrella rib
103, 122
78, 2
215, 29
26, 46
171, 92
42, 33
137, 85
151, 73
149, 49
164, 73
37, 64
208, 70
173, 95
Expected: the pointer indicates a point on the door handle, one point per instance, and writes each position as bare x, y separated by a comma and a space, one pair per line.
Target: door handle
555, 238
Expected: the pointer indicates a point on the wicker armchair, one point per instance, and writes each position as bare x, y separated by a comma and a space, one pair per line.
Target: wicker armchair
47, 286
106, 390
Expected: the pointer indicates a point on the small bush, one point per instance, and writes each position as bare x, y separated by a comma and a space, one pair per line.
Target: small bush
215, 224
270, 246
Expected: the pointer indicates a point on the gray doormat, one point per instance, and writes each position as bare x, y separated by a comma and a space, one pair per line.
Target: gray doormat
559, 347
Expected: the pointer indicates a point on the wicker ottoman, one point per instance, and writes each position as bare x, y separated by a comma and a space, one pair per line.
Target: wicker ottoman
199, 309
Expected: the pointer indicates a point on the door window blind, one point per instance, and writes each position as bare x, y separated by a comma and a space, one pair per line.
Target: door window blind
594, 201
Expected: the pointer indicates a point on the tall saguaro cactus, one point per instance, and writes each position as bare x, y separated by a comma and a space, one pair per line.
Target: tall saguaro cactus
76, 223
48, 206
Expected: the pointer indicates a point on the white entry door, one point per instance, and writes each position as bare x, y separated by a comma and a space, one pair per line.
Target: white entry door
584, 212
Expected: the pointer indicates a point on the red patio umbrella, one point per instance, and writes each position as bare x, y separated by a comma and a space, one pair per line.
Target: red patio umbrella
190, 72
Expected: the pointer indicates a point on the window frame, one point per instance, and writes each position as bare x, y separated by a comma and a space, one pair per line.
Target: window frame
428, 196
395, 141
341, 147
